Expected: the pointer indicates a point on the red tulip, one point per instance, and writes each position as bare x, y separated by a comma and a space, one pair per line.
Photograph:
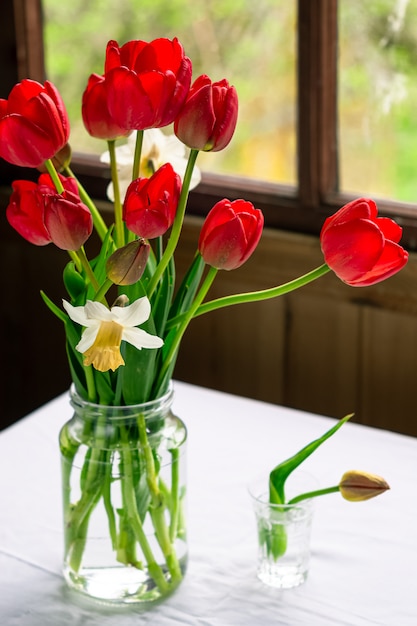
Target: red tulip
208, 119
34, 124
151, 203
230, 234
41, 215
146, 84
361, 248
95, 112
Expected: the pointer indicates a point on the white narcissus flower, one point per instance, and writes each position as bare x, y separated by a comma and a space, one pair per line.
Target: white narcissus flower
105, 329
157, 149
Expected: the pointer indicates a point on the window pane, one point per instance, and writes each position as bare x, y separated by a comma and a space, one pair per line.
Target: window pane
250, 44
378, 97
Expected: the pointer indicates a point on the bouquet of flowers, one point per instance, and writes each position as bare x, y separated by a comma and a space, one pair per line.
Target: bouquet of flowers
124, 314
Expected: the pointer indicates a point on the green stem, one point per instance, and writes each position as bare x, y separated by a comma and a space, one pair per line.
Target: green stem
79, 538
99, 223
54, 175
264, 294
157, 509
91, 385
118, 218
75, 259
186, 319
87, 268
128, 493
313, 494
78, 518
174, 494
103, 290
177, 225
108, 502
137, 156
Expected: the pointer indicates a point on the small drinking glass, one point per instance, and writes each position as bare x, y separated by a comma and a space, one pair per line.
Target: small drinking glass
284, 532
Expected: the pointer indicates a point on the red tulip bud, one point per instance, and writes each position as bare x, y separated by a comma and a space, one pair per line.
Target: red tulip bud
230, 234
208, 119
151, 203
42, 216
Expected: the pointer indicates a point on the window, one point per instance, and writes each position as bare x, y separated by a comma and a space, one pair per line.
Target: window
321, 181
251, 45
378, 97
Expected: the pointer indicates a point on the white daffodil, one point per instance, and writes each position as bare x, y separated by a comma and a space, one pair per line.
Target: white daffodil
157, 149
105, 329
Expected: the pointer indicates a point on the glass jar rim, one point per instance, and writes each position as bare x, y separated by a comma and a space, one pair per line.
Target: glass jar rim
156, 405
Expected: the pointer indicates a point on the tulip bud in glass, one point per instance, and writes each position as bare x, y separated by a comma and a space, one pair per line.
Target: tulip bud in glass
356, 486
127, 264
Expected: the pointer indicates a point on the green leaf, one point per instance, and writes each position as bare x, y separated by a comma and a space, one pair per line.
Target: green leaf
99, 263
138, 374
54, 308
280, 473
188, 288
74, 283
133, 292
75, 358
162, 299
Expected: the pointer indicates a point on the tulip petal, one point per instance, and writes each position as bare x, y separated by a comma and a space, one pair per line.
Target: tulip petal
390, 229
69, 222
224, 246
352, 248
195, 125
23, 143
26, 214
392, 259
134, 110
362, 208
21, 93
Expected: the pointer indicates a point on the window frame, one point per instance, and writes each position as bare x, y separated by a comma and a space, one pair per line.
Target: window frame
299, 209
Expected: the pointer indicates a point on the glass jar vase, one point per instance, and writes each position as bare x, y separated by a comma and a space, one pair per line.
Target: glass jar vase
123, 480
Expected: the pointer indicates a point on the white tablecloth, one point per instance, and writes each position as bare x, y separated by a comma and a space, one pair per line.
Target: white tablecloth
363, 569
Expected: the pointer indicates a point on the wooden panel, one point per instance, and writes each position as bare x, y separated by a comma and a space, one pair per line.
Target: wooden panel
238, 349
322, 353
389, 370
33, 341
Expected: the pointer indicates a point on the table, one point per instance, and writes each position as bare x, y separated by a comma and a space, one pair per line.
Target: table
363, 568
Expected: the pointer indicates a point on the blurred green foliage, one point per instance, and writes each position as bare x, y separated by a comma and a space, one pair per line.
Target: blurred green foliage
253, 45
234, 39
378, 97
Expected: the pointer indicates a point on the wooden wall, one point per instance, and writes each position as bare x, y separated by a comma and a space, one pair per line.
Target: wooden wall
327, 348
